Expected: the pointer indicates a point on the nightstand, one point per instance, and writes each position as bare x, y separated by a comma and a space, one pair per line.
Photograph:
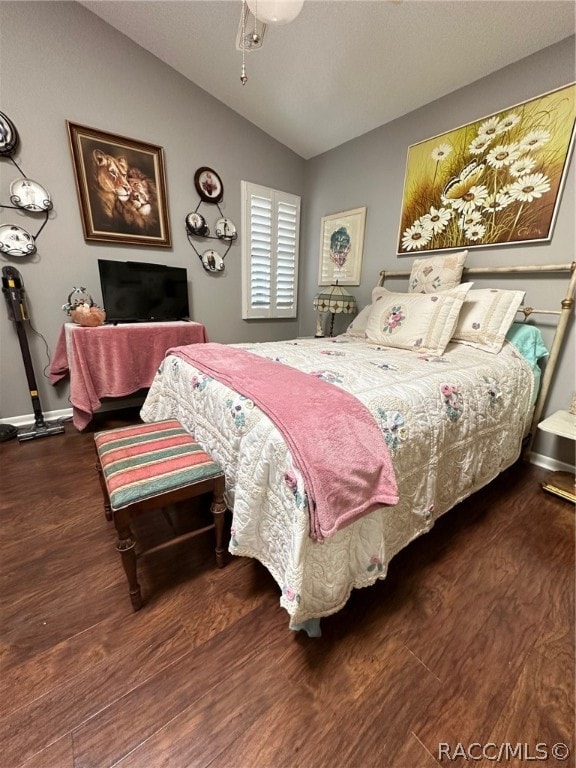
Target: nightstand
563, 424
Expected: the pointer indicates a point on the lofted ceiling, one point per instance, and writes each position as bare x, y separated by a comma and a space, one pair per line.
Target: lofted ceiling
342, 67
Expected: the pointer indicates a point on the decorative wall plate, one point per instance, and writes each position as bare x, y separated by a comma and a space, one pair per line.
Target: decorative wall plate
225, 229
15, 241
196, 225
212, 261
30, 195
8, 136
208, 185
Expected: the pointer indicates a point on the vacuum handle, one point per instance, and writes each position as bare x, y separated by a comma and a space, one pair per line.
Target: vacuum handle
13, 290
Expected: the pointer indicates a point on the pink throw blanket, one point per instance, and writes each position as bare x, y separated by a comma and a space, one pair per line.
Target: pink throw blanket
334, 440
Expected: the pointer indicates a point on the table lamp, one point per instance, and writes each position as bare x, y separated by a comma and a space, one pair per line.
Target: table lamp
332, 299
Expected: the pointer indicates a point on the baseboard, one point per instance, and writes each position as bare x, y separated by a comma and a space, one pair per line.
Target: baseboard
28, 418
66, 413
552, 464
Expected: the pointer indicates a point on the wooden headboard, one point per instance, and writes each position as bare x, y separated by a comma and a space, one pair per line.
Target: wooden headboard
562, 314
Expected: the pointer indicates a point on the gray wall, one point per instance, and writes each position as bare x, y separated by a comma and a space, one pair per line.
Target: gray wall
60, 62
369, 171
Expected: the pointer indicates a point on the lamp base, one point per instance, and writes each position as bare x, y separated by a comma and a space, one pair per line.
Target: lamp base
331, 333
319, 326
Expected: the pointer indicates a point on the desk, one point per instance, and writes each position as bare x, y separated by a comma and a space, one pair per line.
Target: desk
114, 360
563, 424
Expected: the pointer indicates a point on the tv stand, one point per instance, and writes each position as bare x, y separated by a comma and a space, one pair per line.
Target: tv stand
114, 360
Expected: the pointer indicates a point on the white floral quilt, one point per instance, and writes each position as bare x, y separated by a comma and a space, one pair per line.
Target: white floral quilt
452, 424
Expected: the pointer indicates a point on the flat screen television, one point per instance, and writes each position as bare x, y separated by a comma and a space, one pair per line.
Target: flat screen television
134, 291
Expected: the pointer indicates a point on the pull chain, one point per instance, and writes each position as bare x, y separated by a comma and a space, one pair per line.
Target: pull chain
255, 35
243, 75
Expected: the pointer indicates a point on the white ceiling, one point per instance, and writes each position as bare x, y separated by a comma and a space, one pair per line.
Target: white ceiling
342, 67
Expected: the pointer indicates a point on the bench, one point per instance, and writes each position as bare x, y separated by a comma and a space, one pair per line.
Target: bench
149, 467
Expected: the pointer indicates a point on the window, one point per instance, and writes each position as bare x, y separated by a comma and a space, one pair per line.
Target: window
270, 235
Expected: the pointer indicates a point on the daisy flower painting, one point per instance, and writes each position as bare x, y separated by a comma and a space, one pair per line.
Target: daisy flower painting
494, 181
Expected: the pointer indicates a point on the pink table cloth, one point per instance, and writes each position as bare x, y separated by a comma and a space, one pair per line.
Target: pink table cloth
114, 360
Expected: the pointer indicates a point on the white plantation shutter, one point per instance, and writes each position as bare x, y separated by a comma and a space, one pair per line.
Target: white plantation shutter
270, 235
260, 248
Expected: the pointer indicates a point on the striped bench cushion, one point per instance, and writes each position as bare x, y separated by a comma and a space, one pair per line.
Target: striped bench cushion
147, 460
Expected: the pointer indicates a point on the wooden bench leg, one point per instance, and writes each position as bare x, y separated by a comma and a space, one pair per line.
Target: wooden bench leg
126, 546
218, 508
107, 507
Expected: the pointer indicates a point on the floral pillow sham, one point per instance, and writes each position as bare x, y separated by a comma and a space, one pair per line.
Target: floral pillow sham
486, 317
438, 273
357, 327
418, 321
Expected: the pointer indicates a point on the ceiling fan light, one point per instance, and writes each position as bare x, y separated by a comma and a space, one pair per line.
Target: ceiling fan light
275, 11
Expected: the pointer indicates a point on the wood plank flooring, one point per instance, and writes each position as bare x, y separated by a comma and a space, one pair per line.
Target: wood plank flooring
470, 639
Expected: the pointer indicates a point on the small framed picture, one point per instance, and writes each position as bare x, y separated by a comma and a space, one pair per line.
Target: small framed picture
208, 185
121, 188
341, 247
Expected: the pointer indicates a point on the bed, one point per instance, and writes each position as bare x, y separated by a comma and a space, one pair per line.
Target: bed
450, 422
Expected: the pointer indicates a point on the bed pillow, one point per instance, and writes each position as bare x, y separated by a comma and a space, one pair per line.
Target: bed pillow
528, 341
438, 273
357, 327
486, 318
423, 322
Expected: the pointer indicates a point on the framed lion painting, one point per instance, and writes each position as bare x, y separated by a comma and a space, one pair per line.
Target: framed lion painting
121, 188
495, 181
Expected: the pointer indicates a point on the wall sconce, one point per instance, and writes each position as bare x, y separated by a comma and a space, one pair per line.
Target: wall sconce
334, 299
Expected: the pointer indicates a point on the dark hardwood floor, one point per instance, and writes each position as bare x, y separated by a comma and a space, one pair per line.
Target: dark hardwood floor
469, 640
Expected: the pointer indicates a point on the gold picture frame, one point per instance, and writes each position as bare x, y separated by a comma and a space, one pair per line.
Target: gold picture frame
342, 247
493, 182
121, 188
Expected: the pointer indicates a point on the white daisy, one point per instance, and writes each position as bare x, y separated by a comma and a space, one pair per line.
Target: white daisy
415, 237
497, 202
489, 127
474, 197
425, 224
522, 166
472, 218
534, 140
530, 187
476, 232
503, 155
441, 152
479, 144
437, 219
508, 122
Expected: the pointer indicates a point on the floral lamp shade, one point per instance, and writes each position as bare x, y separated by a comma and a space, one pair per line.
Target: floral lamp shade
333, 299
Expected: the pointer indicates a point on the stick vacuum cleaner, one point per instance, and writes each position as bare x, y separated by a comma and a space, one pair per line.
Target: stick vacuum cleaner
13, 290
